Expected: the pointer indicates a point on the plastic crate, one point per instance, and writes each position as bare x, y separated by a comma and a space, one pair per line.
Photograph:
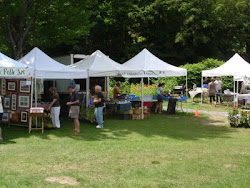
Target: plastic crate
125, 107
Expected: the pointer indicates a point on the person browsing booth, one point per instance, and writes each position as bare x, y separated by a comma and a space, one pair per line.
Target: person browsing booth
74, 108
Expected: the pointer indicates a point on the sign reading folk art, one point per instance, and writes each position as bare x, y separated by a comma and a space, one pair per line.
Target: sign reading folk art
13, 71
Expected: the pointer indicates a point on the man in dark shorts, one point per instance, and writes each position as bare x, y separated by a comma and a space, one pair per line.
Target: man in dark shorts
74, 108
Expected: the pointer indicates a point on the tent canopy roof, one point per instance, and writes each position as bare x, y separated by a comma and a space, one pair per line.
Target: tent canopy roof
98, 64
235, 66
148, 65
47, 68
11, 68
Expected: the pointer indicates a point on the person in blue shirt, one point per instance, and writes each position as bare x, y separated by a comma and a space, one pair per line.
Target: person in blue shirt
160, 93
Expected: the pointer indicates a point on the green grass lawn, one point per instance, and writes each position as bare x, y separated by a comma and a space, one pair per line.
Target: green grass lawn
163, 151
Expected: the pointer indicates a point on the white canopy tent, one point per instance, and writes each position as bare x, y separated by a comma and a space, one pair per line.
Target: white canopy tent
236, 66
47, 68
146, 65
99, 65
9, 68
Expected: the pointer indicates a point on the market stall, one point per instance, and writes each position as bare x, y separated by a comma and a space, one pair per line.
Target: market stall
44, 67
236, 66
146, 65
98, 65
15, 89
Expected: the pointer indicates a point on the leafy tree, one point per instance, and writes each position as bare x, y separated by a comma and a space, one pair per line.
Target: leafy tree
48, 23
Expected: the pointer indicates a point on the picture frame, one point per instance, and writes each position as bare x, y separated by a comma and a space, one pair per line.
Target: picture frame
13, 102
11, 86
6, 102
24, 117
3, 85
24, 101
5, 117
24, 86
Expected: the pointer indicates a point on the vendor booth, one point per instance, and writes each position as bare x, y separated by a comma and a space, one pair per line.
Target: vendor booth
236, 66
15, 89
146, 65
43, 68
98, 65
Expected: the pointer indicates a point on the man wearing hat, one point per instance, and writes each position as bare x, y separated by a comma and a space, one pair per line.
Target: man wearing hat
74, 108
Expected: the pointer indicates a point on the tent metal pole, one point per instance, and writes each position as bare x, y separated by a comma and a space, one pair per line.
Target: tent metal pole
186, 86
142, 84
32, 93
234, 96
87, 92
201, 88
105, 86
148, 86
35, 92
108, 87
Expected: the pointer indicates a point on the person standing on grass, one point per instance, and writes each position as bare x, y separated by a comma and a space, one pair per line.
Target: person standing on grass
160, 93
219, 85
55, 107
99, 105
1, 116
74, 108
212, 89
117, 91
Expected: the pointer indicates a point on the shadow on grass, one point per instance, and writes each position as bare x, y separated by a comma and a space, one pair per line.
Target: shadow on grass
181, 126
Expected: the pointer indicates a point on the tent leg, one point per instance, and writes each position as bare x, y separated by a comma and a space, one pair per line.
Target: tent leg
234, 96
108, 87
87, 92
35, 93
148, 86
32, 93
186, 86
105, 86
142, 84
201, 88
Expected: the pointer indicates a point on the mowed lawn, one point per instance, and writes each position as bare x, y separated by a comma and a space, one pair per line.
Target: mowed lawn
163, 151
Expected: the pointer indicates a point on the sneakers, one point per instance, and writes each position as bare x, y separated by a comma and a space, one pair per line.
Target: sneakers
99, 127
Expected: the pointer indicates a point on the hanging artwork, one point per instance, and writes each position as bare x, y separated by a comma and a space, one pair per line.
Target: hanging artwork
24, 101
24, 117
25, 86
3, 85
5, 117
6, 102
11, 86
13, 101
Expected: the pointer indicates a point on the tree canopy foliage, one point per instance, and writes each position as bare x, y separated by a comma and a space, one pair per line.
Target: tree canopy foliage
177, 31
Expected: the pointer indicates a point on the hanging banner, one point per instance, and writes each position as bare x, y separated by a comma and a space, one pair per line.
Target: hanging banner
13, 71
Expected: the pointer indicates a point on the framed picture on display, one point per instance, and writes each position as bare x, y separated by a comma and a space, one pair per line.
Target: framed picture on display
5, 117
13, 101
25, 86
24, 117
6, 103
3, 85
11, 86
24, 101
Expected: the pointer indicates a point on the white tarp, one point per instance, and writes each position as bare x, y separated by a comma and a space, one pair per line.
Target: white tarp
145, 65
99, 65
236, 66
47, 68
9, 68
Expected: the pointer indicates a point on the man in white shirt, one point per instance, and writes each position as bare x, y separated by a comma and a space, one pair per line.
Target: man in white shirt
219, 85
